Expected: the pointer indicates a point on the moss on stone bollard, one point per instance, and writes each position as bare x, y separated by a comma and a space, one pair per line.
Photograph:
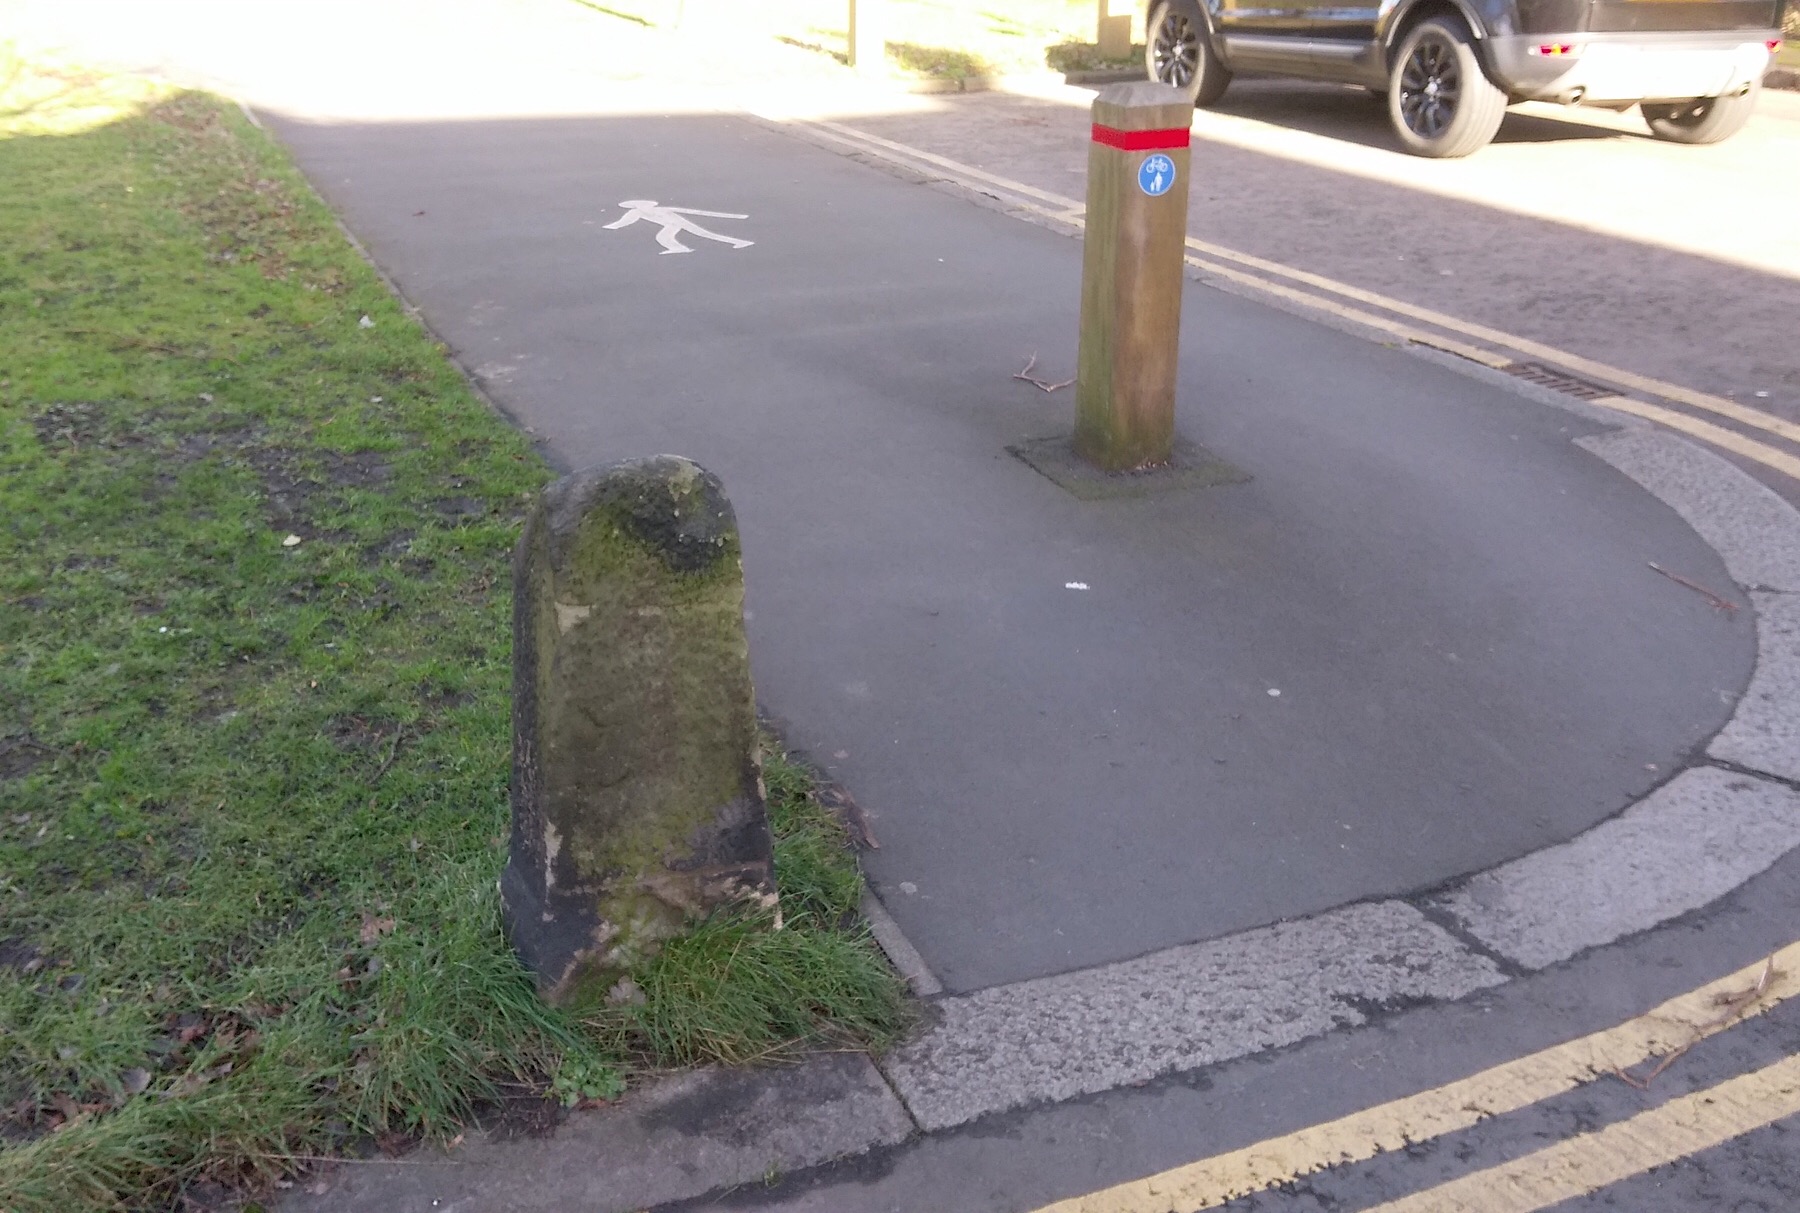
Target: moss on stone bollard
637, 793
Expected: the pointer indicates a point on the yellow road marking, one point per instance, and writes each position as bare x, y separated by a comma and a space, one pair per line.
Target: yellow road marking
1523, 345
1473, 353
955, 167
1719, 436
1507, 1087
1592, 1161
1068, 210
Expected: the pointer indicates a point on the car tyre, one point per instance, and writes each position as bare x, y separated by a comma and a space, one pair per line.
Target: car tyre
1177, 52
1702, 120
1440, 101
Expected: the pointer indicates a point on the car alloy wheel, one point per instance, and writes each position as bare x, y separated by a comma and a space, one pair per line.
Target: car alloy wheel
1430, 87
1176, 50
1440, 99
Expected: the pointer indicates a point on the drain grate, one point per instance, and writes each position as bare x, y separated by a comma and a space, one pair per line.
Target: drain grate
1557, 381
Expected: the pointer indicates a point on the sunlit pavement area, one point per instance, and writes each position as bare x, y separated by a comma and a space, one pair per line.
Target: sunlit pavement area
1575, 227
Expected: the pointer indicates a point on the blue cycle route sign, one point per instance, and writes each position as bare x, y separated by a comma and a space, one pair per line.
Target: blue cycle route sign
1156, 174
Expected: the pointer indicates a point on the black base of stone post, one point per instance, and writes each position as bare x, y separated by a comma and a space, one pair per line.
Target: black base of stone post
637, 795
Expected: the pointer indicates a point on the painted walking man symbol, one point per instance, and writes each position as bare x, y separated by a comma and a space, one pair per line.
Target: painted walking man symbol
674, 221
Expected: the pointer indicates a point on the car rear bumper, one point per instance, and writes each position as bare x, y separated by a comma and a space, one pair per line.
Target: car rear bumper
1629, 67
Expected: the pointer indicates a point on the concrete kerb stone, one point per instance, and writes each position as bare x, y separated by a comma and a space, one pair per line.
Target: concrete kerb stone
675, 1139
1074, 1034
1764, 732
1688, 843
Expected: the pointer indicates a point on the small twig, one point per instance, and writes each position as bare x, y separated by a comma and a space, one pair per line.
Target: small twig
1028, 377
1734, 1004
1719, 603
1644, 1083
393, 753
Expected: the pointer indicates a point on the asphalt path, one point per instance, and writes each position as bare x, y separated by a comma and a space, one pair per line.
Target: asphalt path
1423, 639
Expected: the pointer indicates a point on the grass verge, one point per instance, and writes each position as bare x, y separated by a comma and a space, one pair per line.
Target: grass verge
254, 654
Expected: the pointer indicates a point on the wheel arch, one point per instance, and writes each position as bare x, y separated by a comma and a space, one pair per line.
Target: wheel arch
1405, 15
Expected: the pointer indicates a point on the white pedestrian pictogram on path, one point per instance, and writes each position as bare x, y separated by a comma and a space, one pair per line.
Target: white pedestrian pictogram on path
674, 221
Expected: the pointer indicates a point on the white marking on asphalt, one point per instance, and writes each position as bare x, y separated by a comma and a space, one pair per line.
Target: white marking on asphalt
674, 221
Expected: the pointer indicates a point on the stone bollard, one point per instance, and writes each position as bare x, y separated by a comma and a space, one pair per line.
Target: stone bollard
637, 795
1131, 277
1112, 30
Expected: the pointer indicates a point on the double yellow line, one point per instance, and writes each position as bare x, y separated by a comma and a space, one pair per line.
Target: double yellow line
1570, 1168
1479, 343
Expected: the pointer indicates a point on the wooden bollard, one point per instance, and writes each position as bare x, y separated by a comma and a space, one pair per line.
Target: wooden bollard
1131, 277
868, 46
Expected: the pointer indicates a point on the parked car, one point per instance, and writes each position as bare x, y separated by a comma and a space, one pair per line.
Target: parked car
1449, 68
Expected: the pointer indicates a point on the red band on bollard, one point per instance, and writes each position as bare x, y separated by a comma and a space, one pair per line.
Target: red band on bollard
1141, 141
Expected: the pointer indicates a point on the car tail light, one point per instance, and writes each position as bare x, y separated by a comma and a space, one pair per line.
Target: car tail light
1556, 49
1774, 45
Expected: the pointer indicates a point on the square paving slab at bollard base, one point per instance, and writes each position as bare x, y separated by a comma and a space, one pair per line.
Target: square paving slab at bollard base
1189, 467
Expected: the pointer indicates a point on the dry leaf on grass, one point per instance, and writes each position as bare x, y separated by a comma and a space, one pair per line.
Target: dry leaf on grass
374, 928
